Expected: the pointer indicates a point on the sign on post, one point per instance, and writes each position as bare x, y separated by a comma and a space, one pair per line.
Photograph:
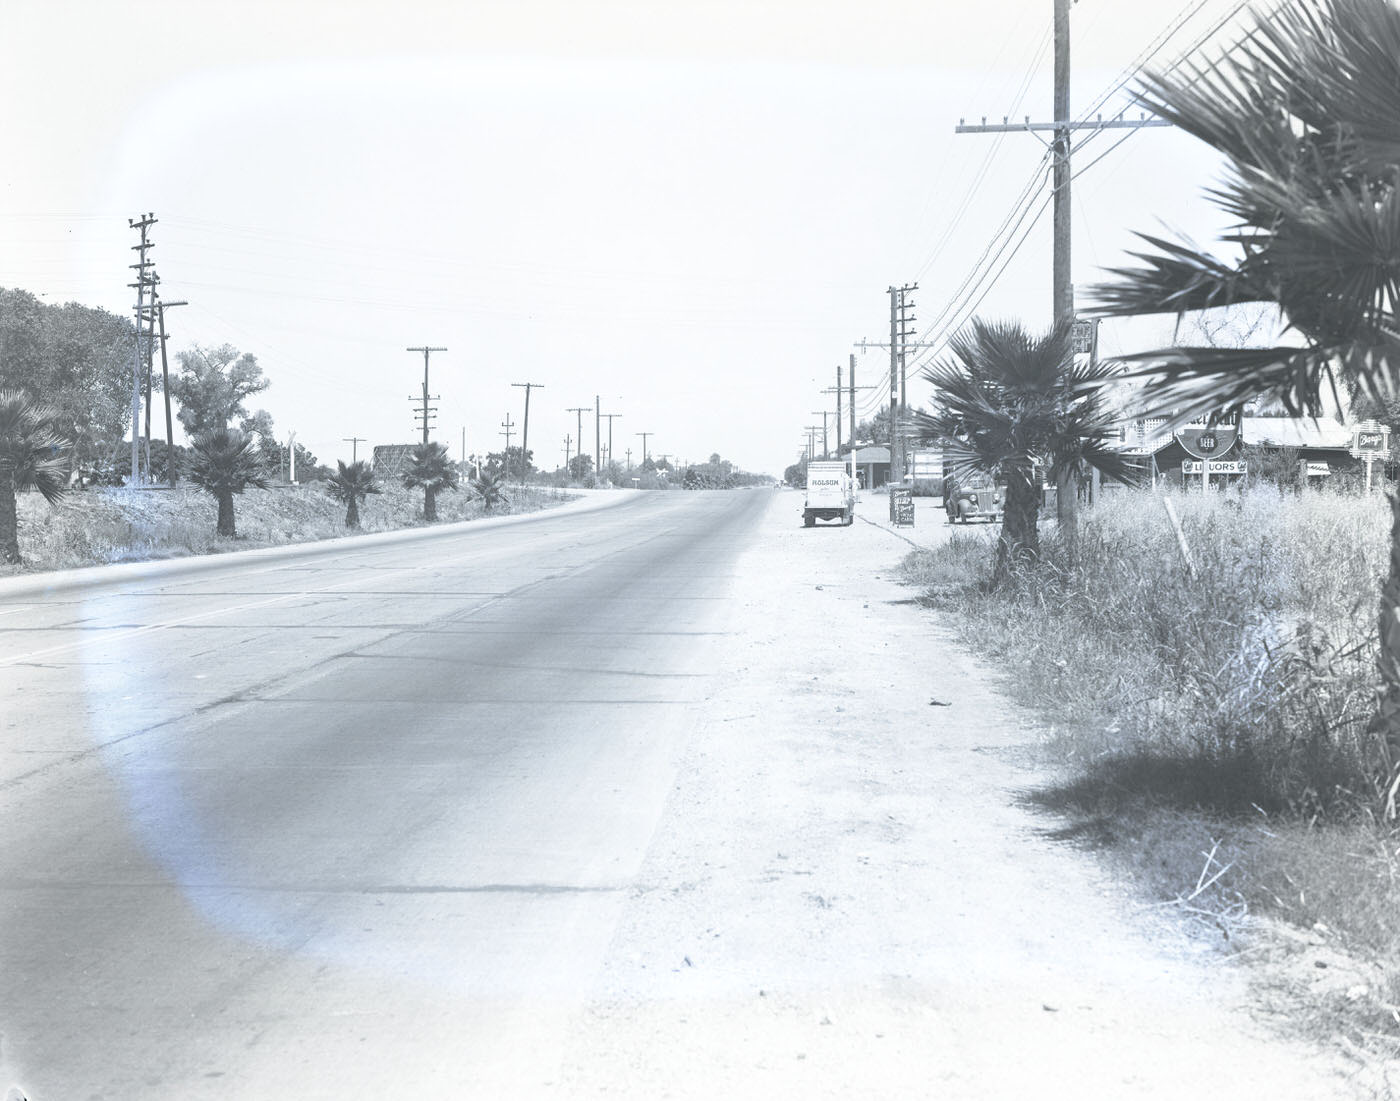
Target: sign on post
1370, 442
902, 506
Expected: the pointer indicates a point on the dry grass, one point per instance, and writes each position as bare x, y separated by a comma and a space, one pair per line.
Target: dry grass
1209, 733
98, 526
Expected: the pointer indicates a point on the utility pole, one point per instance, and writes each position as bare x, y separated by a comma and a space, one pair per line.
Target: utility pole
427, 410
354, 442
509, 429
1063, 127
837, 392
611, 417
598, 433
144, 279
899, 337
568, 440
823, 413
644, 436
629, 460
170, 472
580, 410
525, 428
853, 401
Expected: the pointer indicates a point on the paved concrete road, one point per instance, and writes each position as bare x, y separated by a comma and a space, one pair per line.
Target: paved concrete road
356, 823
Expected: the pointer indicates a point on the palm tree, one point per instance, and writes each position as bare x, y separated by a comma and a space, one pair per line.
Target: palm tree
31, 457
429, 467
490, 487
1010, 401
224, 462
1306, 112
350, 485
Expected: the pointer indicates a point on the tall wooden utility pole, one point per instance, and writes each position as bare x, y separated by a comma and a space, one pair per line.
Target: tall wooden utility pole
580, 410
145, 279
170, 472
823, 413
509, 427
598, 433
354, 442
1062, 285
839, 404
525, 428
644, 436
899, 341
427, 410
611, 417
852, 381
1063, 127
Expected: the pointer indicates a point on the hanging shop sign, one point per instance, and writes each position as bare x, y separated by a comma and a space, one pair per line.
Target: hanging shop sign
1208, 441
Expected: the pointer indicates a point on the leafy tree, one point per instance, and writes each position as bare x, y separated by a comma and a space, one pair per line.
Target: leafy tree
31, 457
580, 467
511, 463
796, 475
1010, 401
213, 385
1306, 112
876, 430
429, 467
490, 487
350, 485
75, 360
223, 462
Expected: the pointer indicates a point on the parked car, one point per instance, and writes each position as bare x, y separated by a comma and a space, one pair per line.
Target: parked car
969, 497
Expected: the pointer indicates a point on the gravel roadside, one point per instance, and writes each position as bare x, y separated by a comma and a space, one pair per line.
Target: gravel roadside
843, 898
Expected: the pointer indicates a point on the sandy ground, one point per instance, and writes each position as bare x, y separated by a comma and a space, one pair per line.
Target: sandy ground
844, 899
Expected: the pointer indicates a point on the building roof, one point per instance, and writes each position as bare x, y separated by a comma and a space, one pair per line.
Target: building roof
872, 455
1296, 432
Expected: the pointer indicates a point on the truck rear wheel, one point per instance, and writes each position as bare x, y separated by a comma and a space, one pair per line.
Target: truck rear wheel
808, 520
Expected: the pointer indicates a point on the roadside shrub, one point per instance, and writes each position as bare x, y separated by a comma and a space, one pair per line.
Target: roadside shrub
1246, 686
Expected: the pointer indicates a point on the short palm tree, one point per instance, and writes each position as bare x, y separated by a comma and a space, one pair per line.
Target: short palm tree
224, 462
490, 487
31, 457
1307, 114
350, 485
429, 467
1009, 401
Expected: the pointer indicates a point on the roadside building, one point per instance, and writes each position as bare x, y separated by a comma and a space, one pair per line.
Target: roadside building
872, 466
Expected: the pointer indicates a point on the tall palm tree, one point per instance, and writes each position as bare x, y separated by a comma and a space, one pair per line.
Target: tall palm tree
350, 485
31, 457
1009, 401
1306, 112
429, 467
224, 462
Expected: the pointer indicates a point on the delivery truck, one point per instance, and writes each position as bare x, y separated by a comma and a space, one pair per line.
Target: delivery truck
830, 494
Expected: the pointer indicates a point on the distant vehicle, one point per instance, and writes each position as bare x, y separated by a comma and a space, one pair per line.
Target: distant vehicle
969, 497
830, 494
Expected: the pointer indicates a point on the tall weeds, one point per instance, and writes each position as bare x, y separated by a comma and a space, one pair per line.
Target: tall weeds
1246, 686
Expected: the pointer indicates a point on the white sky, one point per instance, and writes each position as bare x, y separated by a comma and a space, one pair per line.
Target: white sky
690, 209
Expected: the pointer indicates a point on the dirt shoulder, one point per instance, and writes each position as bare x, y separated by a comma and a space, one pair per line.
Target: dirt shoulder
844, 897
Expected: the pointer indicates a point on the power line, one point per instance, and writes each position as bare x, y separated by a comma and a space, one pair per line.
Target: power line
980, 281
